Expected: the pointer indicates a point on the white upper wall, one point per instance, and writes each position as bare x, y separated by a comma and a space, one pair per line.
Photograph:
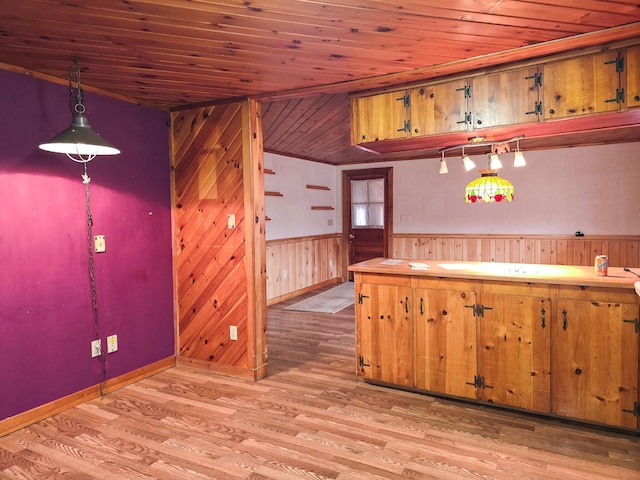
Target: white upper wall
595, 190
291, 215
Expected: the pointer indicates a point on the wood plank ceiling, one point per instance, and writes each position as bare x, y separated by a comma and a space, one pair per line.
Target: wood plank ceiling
301, 57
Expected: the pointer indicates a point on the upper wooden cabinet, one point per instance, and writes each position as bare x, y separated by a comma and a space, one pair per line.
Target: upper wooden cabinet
583, 85
632, 68
379, 117
439, 108
506, 98
560, 87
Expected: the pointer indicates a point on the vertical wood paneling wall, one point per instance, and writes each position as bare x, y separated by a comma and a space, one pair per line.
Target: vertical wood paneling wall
296, 265
215, 272
623, 251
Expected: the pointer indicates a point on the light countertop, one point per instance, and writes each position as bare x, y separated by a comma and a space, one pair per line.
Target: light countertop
514, 272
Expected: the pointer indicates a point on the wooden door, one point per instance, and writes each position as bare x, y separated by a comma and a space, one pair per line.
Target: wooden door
384, 329
378, 117
594, 361
366, 243
363, 242
439, 108
445, 337
583, 85
514, 351
506, 98
632, 70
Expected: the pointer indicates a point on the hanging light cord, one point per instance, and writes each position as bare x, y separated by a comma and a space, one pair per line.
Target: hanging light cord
92, 280
75, 100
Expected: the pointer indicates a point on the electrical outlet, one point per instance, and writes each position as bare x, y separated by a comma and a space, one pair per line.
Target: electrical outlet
112, 343
96, 348
231, 221
233, 332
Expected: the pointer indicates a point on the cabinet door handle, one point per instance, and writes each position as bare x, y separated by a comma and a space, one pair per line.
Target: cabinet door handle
543, 317
564, 319
406, 304
421, 306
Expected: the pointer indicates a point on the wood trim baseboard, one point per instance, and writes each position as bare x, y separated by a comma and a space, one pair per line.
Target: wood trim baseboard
36, 414
134, 376
222, 369
308, 289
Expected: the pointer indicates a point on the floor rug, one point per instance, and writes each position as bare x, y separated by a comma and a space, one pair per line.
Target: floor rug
330, 301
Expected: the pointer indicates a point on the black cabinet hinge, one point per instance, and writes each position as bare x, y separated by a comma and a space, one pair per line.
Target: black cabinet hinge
360, 297
537, 79
478, 310
619, 98
635, 411
618, 62
636, 323
361, 362
478, 382
406, 127
537, 109
406, 100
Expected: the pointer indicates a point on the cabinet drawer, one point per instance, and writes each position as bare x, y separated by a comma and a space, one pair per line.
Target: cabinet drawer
597, 294
436, 283
381, 279
514, 288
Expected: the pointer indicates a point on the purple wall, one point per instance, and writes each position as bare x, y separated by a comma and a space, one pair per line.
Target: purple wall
46, 318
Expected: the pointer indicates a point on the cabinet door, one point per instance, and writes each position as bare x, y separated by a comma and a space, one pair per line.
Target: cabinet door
439, 108
582, 85
445, 340
378, 117
384, 333
595, 361
506, 98
632, 69
514, 351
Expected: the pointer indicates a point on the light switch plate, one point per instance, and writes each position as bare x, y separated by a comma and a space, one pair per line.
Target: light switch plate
100, 244
231, 221
96, 348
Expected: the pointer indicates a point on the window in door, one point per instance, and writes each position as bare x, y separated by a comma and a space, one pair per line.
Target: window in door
367, 203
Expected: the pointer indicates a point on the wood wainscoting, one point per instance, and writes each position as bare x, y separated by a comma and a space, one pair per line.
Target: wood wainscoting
623, 250
298, 265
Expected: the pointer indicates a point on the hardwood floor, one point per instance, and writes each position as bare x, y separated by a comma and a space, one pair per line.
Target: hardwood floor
309, 419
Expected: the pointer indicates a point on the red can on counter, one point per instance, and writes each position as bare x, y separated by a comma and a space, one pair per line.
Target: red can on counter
602, 265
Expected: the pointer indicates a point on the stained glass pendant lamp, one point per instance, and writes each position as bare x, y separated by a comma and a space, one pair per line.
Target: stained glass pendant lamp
489, 188
79, 141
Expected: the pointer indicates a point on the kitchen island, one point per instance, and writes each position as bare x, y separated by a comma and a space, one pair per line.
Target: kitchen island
552, 339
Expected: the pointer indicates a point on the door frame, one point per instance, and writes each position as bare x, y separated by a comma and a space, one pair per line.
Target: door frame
364, 174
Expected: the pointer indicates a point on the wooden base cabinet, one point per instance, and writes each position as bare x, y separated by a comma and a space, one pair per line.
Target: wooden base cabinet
445, 337
384, 329
564, 350
595, 356
514, 349
473, 342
